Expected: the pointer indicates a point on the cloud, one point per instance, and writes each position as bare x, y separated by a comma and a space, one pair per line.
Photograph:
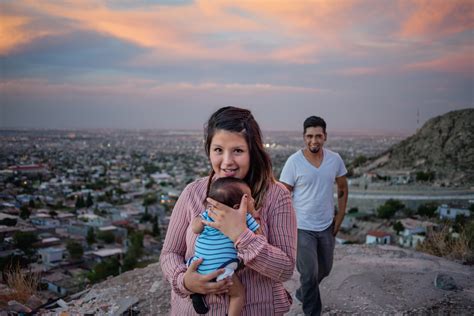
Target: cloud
357, 71
455, 62
140, 87
436, 18
17, 30
298, 32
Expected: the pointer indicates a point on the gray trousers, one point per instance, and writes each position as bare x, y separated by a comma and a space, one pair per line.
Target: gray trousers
314, 262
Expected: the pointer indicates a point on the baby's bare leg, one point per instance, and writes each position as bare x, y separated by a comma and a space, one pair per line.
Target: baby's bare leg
236, 297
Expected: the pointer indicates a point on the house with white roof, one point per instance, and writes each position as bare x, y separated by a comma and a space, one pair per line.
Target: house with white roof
103, 254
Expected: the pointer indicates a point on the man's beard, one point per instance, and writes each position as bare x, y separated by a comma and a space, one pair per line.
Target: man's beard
314, 150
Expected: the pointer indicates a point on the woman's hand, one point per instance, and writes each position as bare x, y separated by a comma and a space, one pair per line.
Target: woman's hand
202, 284
229, 221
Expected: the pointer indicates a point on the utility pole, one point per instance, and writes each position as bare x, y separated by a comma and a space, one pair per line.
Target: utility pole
417, 119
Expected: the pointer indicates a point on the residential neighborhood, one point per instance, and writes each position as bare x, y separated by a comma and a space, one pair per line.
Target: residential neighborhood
77, 207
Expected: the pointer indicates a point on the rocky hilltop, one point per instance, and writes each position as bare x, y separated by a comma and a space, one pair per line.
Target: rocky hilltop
444, 145
366, 280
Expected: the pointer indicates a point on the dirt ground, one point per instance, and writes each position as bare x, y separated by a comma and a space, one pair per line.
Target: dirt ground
375, 280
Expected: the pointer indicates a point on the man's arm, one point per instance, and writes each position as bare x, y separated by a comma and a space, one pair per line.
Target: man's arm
342, 195
289, 187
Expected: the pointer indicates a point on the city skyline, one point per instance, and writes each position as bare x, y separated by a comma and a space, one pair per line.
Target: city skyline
385, 66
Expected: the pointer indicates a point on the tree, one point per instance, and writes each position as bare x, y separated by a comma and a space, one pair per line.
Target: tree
31, 204
103, 270
156, 228
7, 222
136, 244
353, 210
107, 237
389, 208
80, 202
75, 249
134, 252
469, 231
398, 227
53, 213
359, 160
24, 212
129, 262
89, 201
25, 241
427, 209
427, 176
90, 236
150, 183
146, 217
150, 199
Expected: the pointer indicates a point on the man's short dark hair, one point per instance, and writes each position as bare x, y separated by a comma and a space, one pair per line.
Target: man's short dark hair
314, 121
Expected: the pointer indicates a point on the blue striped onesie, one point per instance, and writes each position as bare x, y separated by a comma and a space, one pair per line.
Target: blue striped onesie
215, 248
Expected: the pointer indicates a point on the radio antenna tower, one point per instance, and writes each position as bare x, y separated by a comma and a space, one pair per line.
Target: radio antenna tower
417, 119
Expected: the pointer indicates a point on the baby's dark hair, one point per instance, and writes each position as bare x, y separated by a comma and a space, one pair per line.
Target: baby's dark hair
227, 191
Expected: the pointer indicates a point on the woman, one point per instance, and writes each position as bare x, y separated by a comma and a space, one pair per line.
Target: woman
234, 148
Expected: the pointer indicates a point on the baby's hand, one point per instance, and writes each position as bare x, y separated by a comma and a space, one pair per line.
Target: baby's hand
196, 225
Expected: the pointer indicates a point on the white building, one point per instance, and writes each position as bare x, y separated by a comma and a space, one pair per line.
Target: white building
411, 241
102, 254
44, 221
414, 232
93, 220
160, 177
51, 255
377, 237
445, 211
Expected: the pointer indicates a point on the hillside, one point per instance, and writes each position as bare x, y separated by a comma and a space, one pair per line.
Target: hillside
444, 145
365, 280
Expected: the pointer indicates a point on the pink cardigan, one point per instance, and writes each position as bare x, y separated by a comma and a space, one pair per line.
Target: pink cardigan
269, 258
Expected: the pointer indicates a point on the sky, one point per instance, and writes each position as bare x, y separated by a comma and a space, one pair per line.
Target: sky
373, 65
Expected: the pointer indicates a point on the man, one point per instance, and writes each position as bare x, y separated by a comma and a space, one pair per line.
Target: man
310, 174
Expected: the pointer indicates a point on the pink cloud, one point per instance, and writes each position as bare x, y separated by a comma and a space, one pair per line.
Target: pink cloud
436, 18
357, 71
301, 31
139, 88
457, 62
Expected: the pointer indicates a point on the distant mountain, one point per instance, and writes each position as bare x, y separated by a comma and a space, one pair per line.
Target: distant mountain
443, 146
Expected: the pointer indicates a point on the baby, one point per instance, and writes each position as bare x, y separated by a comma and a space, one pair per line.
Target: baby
218, 250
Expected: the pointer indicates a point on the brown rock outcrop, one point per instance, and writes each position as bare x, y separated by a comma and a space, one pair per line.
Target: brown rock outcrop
444, 145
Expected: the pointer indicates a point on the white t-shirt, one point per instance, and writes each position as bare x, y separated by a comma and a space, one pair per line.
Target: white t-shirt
313, 188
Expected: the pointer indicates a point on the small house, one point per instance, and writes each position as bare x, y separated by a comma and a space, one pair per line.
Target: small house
377, 237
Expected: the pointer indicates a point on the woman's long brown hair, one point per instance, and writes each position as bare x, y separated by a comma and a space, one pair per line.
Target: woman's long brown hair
241, 121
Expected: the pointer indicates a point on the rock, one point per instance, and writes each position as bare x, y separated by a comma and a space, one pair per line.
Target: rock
127, 305
445, 282
15, 306
34, 302
61, 303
